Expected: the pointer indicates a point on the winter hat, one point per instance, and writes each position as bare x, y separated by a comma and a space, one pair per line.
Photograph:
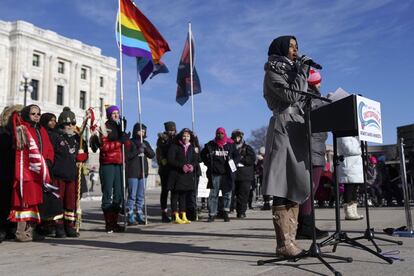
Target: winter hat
237, 133
66, 117
314, 77
45, 119
373, 160
111, 110
136, 129
170, 126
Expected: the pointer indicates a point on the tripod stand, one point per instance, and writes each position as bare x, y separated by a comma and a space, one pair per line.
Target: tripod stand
369, 232
314, 250
341, 237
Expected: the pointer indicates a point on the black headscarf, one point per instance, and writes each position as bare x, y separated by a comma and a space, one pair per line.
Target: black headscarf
280, 45
25, 113
45, 119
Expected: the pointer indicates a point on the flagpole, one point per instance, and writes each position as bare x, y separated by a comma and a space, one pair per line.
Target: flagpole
142, 143
122, 106
191, 75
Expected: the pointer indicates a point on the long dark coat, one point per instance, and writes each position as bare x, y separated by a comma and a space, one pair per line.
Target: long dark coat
177, 179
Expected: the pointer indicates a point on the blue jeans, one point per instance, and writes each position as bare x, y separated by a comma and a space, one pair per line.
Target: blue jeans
136, 192
213, 196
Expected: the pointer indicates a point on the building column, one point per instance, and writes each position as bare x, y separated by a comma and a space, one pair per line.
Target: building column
46, 94
74, 79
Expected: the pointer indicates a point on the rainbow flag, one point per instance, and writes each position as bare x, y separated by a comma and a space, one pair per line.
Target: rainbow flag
139, 38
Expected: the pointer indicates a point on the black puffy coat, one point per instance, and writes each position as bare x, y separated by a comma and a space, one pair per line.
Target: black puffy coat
134, 159
215, 162
177, 179
247, 159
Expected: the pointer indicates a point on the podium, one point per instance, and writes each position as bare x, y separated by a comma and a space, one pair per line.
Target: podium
340, 117
351, 116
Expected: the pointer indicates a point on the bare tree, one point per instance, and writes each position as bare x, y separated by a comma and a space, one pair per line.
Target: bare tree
257, 138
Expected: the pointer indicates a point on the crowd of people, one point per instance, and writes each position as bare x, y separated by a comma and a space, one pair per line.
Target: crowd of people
43, 156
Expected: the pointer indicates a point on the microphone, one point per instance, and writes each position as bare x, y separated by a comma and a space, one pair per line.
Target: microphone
310, 62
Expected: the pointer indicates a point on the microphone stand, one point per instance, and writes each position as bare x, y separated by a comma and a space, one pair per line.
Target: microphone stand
340, 236
369, 232
314, 250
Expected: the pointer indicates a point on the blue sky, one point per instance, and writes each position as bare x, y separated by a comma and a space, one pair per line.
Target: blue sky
365, 47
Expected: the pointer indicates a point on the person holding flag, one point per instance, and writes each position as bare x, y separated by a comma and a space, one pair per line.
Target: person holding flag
110, 143
33, 152
65, 172
137, 155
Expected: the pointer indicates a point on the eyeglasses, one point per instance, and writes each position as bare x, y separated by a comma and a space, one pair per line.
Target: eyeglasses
33, 114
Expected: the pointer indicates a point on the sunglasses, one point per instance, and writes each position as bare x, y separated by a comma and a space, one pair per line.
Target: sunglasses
33, 114
68, 124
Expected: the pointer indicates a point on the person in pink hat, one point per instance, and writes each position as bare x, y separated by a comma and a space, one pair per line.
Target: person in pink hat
318, 163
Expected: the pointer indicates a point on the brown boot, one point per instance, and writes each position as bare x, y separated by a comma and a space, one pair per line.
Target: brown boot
24, 232
294, 213
283, 219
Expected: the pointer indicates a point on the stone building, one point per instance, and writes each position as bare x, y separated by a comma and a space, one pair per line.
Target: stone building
62, 71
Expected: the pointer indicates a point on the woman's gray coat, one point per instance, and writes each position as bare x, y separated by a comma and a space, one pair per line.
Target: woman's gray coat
286, 163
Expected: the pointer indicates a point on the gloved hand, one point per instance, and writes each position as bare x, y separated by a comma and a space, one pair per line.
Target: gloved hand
81, 157
125, 137
125, 122
141, 149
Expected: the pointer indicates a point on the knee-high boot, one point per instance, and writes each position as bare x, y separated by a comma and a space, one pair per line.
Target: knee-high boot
285, 224
108, 221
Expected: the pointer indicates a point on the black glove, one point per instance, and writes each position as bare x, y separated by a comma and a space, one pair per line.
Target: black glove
125, 137
125, 122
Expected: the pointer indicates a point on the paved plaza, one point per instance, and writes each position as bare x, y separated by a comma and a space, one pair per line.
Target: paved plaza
199, 248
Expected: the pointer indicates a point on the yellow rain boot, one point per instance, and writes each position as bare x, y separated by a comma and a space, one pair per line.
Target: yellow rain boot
177, 218
184, 218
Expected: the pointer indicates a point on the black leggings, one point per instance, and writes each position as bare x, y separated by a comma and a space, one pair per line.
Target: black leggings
178, 199
350, 192
279, 201
164, 191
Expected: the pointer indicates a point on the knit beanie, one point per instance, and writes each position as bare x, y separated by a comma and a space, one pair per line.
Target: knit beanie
110, 110
170, 126
66, 117
237, 133
314, 77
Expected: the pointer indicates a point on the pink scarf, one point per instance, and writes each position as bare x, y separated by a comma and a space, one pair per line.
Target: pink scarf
225, 140
185, 146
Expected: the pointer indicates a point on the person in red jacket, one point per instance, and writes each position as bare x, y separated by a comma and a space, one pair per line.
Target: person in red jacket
110, 158
28, 194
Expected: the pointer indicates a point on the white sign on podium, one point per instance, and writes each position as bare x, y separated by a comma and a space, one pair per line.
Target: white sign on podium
369, 120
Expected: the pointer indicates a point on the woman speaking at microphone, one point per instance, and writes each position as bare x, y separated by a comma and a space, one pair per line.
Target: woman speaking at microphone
286, 164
